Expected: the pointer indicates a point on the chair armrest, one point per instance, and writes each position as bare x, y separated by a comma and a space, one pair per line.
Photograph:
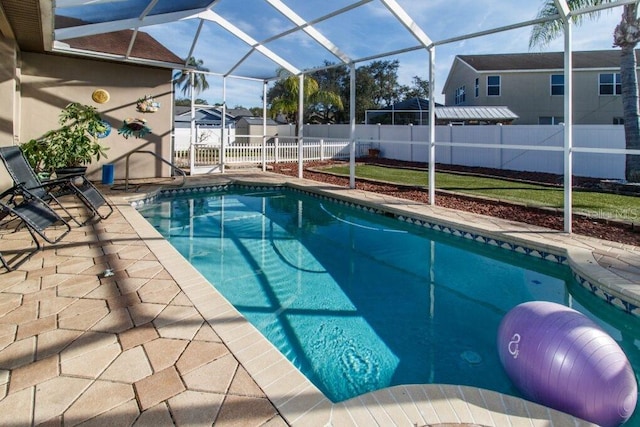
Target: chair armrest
55, 182
10, 192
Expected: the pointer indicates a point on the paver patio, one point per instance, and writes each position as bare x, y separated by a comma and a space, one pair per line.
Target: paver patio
112, 327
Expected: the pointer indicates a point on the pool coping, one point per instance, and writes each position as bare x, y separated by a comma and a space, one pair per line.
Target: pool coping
608, 286
295, 397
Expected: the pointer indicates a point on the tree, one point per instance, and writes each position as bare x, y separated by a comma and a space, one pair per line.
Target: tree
332, 79
418, 89
283, 96
384, 77
183, 78
256, 111
376, 87
186, 102
625, 36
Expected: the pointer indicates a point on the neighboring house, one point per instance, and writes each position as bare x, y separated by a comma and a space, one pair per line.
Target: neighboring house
205, 117
415, 111
208, 122
254, 126
532, 85
239, 112
410, 111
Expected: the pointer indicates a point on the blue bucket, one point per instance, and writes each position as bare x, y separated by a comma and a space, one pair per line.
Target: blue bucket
107, 173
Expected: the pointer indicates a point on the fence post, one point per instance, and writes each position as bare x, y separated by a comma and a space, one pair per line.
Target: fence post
501, 144
192, 159
322, 149
451, 162
411, 142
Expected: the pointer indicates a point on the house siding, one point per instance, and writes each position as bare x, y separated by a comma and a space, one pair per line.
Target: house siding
528, 93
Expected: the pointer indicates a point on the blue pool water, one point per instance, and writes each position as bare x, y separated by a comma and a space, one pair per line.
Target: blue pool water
359, 301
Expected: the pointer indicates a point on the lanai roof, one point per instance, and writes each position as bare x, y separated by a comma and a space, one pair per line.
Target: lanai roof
249, 38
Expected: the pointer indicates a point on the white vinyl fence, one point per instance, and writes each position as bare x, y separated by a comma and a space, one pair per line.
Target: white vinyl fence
410, 143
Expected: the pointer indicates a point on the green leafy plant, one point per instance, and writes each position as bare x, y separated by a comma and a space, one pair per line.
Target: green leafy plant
75, 143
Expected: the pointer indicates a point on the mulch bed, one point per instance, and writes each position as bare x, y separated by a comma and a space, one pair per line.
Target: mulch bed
600, 228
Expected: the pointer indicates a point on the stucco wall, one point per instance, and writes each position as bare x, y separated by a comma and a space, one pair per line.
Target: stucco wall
8, 100
51, 82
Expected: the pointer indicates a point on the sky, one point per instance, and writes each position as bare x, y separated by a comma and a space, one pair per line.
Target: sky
360, 33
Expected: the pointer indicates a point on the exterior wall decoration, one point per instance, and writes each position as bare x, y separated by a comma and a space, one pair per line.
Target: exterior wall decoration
101, 96
147, 104
135, 127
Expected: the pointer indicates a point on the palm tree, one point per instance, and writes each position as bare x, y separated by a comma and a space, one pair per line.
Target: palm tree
285, 95
625, 36
183, 78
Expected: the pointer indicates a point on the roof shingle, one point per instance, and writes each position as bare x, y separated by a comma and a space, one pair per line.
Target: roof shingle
543, 60
117, 43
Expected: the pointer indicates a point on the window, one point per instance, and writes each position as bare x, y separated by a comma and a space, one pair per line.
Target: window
610, 84
618, 120
460, 95
550, 120
493, 85
477, 88
557, 84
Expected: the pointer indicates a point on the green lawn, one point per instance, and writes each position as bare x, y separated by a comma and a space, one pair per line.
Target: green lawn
597, 204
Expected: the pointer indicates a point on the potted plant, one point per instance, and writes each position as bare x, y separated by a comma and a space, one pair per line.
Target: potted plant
73, 145
374, 152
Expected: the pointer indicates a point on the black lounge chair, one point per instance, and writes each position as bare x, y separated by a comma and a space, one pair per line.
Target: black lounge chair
24, 177
34, 214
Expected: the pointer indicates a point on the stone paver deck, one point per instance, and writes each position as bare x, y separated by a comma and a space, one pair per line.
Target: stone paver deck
112, 327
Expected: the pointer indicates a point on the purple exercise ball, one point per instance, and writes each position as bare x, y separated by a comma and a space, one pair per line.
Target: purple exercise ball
559, 358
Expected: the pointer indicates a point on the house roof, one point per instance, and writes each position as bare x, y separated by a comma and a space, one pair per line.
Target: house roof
203, 114
412, 104
542, 61
117, 43
179, 110
257, 121
475, 113
239, 112
183, 112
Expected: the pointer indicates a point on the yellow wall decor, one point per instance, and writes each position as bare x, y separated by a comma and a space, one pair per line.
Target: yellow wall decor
100, 96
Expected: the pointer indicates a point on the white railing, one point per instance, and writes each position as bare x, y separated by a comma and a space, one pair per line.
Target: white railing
277, 150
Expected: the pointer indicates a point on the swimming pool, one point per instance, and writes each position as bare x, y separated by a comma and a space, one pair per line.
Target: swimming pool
359, 301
